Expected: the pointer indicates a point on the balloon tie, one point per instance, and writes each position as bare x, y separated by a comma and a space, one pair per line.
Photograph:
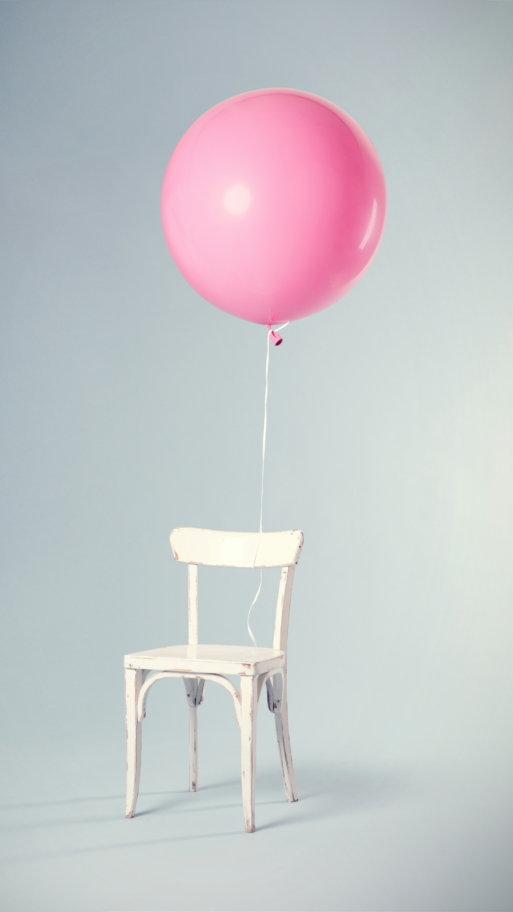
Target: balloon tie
277, 340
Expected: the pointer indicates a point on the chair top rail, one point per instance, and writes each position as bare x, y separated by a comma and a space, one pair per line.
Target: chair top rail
236, 549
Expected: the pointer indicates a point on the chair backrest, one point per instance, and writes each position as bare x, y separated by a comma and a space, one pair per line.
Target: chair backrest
236, 549
243, 550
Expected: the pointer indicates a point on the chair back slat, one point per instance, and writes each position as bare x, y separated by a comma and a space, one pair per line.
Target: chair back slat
193, 604
236, 549
281, 624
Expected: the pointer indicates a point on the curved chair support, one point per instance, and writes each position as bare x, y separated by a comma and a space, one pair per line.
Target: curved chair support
218, 679
274, 690
262, 680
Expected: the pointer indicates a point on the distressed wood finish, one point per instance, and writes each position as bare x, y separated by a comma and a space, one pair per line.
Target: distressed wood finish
133, 682
236, 549
281, 624
196, 663
194, 688
216, 678
192, 572
193, 748
263, 679
249, 707
192, 576
201, 659
281, 721
279, 684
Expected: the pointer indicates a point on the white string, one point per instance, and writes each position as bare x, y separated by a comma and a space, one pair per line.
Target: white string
263, 465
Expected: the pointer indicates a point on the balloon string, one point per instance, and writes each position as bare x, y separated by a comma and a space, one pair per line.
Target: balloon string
263, 466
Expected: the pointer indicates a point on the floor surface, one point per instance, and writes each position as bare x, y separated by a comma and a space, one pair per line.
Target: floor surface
359, 838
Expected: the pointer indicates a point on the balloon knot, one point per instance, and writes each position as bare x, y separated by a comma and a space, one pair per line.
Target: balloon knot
274, 337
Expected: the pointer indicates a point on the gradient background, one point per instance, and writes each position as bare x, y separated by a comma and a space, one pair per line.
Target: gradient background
129, 405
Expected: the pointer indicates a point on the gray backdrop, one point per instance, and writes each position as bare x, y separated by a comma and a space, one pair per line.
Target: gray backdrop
129, 405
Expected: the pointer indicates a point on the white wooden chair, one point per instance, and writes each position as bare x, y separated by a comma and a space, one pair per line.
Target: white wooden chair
197, 664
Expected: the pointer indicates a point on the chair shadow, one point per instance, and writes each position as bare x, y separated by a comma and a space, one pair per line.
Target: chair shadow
84, 799
343, 790
114, 846
183, 793
324, 793
121, 797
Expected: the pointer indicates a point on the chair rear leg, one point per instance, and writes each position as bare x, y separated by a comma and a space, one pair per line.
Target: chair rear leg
133, 682
281, 720
193, 748
249, 707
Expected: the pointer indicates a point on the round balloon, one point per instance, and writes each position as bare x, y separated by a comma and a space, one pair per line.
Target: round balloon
273, 204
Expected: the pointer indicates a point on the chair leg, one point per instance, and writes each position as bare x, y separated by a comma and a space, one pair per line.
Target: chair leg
249, 707
282, 734
194, 693
193, 748
133, 683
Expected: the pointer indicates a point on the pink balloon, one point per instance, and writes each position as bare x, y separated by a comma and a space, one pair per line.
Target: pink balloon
273, 204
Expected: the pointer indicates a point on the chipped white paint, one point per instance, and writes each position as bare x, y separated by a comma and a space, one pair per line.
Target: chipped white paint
264, 679
236, 549
196, 663
281, 624
205, 659
194, 688
193, 603
194, 695
192, 575
216, 678
133, 683
281, 720
193, 749
249, 707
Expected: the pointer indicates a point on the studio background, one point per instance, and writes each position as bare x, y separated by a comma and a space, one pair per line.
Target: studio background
129, 406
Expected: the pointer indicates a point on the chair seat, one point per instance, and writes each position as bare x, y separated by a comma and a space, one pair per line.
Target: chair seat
208, 659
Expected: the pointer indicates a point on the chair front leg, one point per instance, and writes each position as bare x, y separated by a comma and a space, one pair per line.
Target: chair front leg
134, 679
194, 694
279, 691
249, 707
